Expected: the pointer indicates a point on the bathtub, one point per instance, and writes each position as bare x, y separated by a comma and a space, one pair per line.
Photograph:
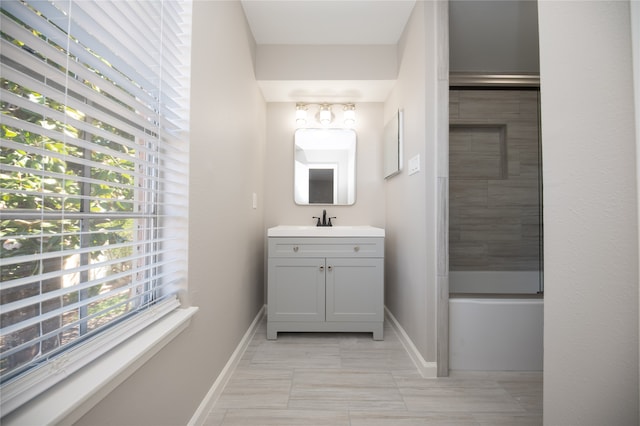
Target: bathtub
495, 334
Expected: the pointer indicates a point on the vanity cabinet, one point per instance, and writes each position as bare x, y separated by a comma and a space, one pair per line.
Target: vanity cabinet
325, 284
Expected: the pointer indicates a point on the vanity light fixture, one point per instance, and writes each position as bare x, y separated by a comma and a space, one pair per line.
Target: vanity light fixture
325, 114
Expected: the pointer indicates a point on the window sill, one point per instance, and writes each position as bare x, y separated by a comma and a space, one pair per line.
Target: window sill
70, 399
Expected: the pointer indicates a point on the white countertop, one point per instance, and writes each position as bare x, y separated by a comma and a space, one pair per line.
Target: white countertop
325, 231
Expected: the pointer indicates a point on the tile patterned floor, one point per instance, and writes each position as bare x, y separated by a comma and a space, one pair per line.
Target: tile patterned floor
350, 379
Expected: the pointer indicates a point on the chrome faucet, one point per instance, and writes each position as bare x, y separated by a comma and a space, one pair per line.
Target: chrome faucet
325, 221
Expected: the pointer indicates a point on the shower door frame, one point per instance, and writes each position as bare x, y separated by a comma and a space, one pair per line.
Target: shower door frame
466, 81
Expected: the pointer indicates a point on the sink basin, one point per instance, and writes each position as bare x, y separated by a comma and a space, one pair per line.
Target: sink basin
325, 231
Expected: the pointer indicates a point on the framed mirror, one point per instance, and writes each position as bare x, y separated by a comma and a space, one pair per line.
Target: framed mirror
325, 166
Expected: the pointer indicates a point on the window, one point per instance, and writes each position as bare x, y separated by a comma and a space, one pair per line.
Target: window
93, 171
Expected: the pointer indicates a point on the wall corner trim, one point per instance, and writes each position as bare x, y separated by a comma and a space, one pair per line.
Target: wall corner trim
428, 370
200, 415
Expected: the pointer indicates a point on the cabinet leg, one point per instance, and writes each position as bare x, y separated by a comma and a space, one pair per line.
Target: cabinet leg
272, 333
378, 332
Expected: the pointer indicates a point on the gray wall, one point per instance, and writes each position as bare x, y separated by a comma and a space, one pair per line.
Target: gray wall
226, 234
591, 243
411, 256
493, 36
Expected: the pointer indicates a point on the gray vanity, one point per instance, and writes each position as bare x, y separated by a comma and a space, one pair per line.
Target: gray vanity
325, 279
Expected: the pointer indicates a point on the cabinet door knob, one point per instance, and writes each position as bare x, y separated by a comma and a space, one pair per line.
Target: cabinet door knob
356, 249
330, 268
295, 249
321, 268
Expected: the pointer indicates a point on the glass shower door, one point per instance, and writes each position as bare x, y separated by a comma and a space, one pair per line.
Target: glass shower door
495, 192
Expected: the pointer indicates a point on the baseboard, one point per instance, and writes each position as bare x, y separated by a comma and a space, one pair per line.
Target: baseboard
216, 389
428, 370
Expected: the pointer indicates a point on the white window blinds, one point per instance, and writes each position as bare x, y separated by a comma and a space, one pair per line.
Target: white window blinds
93, 174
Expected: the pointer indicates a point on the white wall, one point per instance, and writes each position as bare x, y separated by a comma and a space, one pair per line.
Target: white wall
226, 234
590, 245
280, 208
320, 62
410, 286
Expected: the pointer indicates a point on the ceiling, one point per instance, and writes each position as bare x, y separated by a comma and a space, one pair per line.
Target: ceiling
318, 22
326, 22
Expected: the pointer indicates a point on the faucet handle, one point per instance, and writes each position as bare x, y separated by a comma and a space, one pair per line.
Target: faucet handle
329, 222
318, 223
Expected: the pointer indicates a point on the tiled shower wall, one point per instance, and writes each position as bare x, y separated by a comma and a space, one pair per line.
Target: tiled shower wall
494, 211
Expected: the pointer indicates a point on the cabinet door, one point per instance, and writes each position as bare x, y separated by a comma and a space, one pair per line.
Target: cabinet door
355, 289
295, 289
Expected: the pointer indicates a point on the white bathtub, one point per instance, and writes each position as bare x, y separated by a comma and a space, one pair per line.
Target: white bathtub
495, 334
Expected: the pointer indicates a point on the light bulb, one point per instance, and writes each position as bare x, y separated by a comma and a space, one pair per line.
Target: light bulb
301, 114
325, 115
349, 115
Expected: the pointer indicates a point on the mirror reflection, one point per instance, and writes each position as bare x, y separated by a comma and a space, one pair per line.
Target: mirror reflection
325, 166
